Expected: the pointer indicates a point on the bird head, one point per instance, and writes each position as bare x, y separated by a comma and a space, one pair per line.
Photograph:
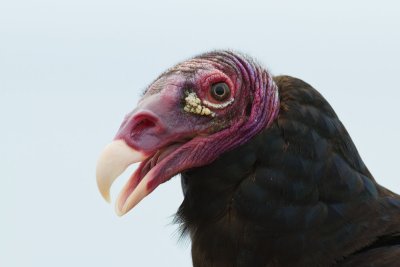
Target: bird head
188, 117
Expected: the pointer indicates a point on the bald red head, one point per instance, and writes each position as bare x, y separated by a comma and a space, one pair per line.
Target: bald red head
189, 116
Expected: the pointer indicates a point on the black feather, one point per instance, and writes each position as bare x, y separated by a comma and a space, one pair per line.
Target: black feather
297, 194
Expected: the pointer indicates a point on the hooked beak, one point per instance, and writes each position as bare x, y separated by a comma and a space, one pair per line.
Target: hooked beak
117, 156
113, 161
159, 135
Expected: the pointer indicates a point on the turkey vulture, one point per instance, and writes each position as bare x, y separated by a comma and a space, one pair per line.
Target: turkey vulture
270, 175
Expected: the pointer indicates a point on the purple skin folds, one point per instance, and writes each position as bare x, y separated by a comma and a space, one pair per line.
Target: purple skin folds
174, 139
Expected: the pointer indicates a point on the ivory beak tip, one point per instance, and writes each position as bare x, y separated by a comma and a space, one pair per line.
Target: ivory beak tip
115, 158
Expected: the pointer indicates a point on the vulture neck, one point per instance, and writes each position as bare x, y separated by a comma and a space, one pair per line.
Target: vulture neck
296, 194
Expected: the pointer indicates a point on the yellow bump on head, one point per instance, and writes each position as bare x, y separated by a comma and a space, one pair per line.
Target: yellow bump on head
194, 105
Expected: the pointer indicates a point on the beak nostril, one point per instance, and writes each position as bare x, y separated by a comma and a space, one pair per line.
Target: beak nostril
142, 125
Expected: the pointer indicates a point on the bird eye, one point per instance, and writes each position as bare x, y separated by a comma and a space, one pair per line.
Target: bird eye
220, 91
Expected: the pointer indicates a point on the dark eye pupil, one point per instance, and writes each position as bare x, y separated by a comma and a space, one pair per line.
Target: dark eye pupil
220, 91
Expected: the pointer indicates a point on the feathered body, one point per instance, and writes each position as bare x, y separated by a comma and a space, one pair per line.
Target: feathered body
297, 194
270, 176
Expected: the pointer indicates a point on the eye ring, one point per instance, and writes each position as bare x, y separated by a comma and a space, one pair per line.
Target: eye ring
220, 91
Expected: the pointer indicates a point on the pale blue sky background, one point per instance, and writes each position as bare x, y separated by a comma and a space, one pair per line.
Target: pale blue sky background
70, 70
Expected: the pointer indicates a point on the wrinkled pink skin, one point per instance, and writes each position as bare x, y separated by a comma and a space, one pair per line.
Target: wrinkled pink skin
160, 120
